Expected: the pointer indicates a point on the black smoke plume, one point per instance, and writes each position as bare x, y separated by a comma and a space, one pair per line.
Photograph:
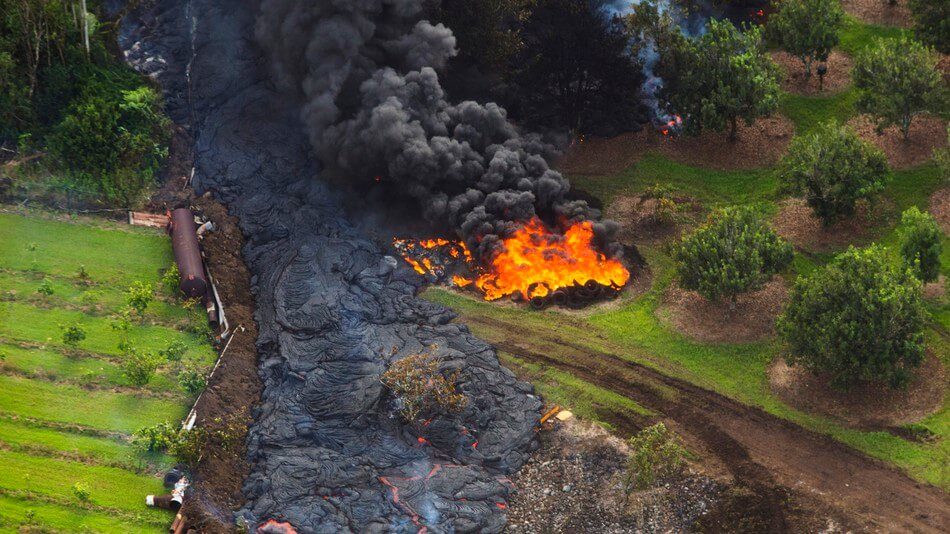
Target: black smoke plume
373, 105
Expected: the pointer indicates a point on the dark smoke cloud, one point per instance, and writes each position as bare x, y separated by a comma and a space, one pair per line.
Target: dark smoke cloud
373, 105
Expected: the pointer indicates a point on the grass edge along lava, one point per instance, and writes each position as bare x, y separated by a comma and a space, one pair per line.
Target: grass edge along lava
533, 264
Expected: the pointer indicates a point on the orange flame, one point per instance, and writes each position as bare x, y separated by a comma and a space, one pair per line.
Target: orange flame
273, 526
536, 263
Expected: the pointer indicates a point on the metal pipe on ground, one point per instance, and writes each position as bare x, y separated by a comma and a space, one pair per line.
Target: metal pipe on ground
183, 231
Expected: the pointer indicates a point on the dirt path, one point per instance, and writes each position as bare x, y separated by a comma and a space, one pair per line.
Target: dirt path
769, 454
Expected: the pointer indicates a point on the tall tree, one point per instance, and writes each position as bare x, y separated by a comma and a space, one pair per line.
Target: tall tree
722, 77
807, 29
576, 68
897, 80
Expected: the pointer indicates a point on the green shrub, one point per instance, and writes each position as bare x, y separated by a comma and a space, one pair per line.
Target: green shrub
190, 445
138, 367
807, 29
81, 491
73, 334
833, 169
859, 318
420, 389
192, 377
932, 22
82, 274
157, 438
171, 280
45, 288
139, 295
898, 79
733, 253
921, 244
174, 351
656, 454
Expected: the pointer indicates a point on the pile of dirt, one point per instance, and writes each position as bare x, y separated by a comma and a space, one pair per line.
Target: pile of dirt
797, 223
754, 318
927, 133
836, 80
868, 406
940, 208
575, 483
760, 145
880, 12
638, 223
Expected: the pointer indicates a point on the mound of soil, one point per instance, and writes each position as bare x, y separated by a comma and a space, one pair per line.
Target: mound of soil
754, 318
638, 223
927, 133
880, 12
796, 223
574, 483
758, 145
871, 405
837, 79
940, 208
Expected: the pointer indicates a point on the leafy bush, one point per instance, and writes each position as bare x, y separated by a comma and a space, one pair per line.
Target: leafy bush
139, 295
807, 29
45, 288
665, 209
833, 169
171, 279
932, 23
73, 334
174, 351
898, 79
81, 273
157, 438
138, 367
192, 377
859, 318
734, 252
81, 491
656, 454
921, 244
420, 389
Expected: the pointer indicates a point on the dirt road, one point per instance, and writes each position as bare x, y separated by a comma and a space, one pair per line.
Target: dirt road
770, 455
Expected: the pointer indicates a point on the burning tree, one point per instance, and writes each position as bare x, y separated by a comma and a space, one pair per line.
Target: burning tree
807, 29
721, 77
421, 389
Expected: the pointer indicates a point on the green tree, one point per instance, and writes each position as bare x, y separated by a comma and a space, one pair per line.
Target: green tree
192, 377
807, 29
859, 318
720, 78
733, 253
139, 367
139, 295
833, 169
898, 79
921, 244
932, 22
73, 334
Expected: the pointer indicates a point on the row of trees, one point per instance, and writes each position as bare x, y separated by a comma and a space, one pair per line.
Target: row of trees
859, 318
63, 93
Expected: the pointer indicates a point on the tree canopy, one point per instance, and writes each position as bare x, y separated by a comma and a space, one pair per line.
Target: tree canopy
921, 244
807, 29
932, 22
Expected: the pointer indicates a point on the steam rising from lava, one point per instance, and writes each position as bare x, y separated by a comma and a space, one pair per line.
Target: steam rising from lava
374, 107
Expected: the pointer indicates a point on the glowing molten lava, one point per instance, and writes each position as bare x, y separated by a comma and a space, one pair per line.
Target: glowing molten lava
536, 262
276, 527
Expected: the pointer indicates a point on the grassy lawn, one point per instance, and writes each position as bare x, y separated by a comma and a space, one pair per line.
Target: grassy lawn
67, 414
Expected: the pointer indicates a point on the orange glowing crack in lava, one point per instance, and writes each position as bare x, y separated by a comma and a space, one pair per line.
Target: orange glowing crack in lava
534, 263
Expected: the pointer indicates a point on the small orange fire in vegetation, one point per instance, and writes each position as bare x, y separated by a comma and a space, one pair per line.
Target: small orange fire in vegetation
536, 263
276, 527
672, 125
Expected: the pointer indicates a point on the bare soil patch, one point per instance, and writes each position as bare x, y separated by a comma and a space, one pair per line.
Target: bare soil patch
836, 80
927, 133
940, 208
710, 322
759, 145
937, 291
637, 218
880, 12
871, 405
796, 223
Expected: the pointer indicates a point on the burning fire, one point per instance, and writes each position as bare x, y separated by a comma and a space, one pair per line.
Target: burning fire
535, 262
671, 126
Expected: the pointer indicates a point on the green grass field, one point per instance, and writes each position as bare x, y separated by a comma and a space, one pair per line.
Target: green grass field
633, 330
67, 414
